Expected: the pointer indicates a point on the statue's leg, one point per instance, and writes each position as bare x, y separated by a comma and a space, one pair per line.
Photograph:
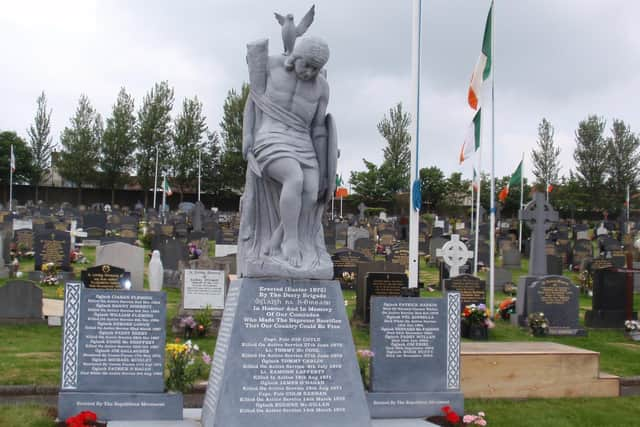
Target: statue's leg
309, 201
289, 174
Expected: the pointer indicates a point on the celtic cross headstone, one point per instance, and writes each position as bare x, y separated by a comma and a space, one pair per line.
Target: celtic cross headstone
539, 215
455, 254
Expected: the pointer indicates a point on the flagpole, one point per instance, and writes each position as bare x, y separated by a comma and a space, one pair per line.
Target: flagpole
475, 244
164, 196
473, 181
199, 171
11, 166
341, 206
521, 204
414, 215
492, 234
155, 180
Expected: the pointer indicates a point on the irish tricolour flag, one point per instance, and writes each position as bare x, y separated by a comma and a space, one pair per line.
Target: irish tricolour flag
472, 140
483, 67
514, 180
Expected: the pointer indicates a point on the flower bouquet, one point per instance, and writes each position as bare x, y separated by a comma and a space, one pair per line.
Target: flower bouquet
348, 279
184, 366
476, 322
50, 274
632, 329
452, 419
364, 362
506, 308
538, 324
82, 419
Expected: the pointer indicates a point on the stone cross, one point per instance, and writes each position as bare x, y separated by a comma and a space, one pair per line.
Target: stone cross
361, 208
539, 215
455, 254
75, 232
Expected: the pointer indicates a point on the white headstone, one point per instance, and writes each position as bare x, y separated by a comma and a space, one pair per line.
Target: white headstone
22, 224
156, 272
602, 230
439, 223
582, 235
455, 254
224, 250
203, 288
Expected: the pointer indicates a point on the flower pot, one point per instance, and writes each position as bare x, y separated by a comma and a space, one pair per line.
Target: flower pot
478, 332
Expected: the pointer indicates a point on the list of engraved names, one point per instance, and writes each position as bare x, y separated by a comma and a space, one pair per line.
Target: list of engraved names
409, 329
292, 373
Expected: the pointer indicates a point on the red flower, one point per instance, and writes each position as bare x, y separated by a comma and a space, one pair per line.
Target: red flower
446, 409
453, 418
80, 420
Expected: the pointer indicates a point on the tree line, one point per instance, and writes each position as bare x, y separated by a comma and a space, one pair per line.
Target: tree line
606, 165
123, 149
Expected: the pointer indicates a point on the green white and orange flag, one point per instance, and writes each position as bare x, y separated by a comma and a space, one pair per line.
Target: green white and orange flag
472, 140
166, 188
515, 180
476, 180
482, 71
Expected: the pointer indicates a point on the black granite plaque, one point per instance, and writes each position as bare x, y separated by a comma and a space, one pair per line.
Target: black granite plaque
472, 289
416, 346
52, 246
609, 300
345, 266
285, 357
106, 276
383, 285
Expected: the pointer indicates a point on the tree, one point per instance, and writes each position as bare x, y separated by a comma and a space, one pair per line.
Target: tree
153, 135
397, 156
545, 158
189, 128
211, 171
457, 189
118, 143
590, 155
434, 187
24, 162
233, 165
622, 160
81, 146
40, 143
367, 185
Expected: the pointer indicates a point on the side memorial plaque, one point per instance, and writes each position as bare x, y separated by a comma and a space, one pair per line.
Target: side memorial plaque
113, 355
285, 356
415, 370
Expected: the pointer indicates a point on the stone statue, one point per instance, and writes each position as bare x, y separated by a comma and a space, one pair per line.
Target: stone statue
290, 32
290, 144
156, 272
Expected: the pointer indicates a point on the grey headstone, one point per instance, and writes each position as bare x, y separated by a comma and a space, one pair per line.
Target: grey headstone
416, 342
129, 368
20, 302
502, 276
559, 300
472, 289
554, 265
345, 263
511, 259
126, 256
540, 215
257, 345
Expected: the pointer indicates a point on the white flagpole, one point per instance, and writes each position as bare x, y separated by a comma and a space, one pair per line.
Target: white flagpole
472, 199
521, 204
164, 196
11, 163
199, 171
479, 171
341, 206
492, 231
155, 180
414, 215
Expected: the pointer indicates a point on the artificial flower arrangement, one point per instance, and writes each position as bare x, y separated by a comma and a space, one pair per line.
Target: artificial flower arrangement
476, 315
183, 365
452, 419
506, 308
50, 274
632, 329
538, 324
76, 256
83, 419
364, 362
194, 251
348, 278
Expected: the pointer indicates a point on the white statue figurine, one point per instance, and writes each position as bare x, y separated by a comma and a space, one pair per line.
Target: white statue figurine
156, 272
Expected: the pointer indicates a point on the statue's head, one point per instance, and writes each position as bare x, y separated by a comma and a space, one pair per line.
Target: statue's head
309, 55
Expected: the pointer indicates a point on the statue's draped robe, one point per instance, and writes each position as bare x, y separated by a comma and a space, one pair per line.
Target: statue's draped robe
259, 205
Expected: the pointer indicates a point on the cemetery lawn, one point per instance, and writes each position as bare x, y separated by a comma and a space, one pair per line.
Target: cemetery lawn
26, 416
30, 354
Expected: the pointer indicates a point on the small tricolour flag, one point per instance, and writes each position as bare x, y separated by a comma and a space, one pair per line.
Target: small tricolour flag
515, 180
341, 192
166, 188
472, 140
13, 160
476, 180
483, 67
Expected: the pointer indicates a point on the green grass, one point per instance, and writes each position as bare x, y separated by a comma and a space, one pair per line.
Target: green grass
30, 354
26, 416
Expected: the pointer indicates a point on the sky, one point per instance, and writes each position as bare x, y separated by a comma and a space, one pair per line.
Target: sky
559, 59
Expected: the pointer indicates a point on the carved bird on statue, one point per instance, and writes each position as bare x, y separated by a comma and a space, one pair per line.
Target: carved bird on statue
290, 32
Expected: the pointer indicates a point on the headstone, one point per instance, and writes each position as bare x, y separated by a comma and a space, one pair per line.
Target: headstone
416, 367
503, 277
341, 233
24, 239
125, 379
366, 246
383, 285
362, 270
472, 289
52, 246
610, 300
554, 265
559, 300
284, 361
511, 259
20, 303
203, 288
126, 256
434, 244
355, 233
582, 250
454, 254
106, 276
345, 266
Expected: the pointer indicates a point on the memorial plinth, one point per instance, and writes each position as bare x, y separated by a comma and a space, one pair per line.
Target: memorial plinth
285, 357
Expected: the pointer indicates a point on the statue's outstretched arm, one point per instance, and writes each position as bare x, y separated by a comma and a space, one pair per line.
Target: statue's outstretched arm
319, 137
